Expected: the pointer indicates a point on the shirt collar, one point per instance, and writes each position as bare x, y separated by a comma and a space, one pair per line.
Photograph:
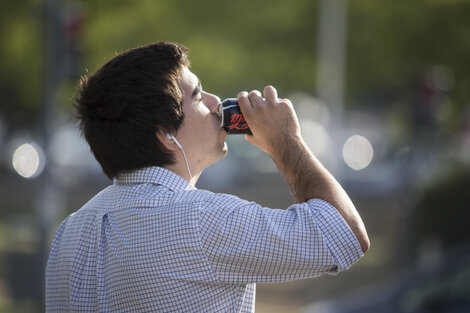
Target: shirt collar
155, 175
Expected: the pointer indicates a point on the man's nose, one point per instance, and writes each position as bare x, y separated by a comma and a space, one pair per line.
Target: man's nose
212, 102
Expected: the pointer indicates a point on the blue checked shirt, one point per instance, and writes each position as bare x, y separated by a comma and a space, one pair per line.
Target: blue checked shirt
151, 242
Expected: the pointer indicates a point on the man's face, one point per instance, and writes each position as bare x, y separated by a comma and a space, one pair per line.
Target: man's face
201, 134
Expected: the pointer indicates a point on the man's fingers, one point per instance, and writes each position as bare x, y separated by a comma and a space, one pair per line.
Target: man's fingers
244, 103
270, 94
242, 94
254, 93
255, 98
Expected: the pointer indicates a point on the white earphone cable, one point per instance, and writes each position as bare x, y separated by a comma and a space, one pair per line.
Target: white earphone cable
184, 155
187, 164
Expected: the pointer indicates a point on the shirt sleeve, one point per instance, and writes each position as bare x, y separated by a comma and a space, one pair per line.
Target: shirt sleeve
247, 243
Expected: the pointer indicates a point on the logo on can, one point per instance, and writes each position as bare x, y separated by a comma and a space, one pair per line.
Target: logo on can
233, 120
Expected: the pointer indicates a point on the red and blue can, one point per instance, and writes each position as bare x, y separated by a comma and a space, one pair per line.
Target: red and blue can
233, 120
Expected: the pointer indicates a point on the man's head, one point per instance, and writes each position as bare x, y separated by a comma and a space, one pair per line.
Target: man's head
201, 133
127, 101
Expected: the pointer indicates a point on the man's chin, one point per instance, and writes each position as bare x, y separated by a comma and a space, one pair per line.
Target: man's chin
221, 154
223, 151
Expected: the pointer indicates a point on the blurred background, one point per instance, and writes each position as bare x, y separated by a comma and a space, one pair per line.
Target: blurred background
382, 91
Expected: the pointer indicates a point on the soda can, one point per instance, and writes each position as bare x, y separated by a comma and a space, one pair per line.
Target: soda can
233, 120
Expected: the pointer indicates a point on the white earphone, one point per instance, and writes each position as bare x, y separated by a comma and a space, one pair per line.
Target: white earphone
171, 137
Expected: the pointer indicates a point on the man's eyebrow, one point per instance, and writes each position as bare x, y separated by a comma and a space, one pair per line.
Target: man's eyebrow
197, 89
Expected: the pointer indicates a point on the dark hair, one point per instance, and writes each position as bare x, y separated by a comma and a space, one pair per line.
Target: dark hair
123, 104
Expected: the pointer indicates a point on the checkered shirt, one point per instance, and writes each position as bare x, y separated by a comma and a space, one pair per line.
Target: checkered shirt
151, 242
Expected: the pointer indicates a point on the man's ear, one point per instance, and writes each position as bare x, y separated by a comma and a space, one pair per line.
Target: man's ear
166, 141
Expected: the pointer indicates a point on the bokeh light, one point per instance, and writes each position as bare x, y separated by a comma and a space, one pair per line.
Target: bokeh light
357, 152
316, 137
28, 160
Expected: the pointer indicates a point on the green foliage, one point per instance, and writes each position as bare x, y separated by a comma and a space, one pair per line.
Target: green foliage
234, 45
392, 43
244, 45
21, 57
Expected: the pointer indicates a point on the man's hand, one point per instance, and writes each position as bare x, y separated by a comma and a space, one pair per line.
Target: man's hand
272, 121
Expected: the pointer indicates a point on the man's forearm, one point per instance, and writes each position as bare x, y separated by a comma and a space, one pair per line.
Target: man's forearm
306, 176
308, 179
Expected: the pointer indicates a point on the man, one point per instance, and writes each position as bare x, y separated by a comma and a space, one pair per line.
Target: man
152, 242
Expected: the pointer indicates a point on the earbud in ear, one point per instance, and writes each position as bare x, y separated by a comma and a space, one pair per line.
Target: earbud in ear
171, 137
